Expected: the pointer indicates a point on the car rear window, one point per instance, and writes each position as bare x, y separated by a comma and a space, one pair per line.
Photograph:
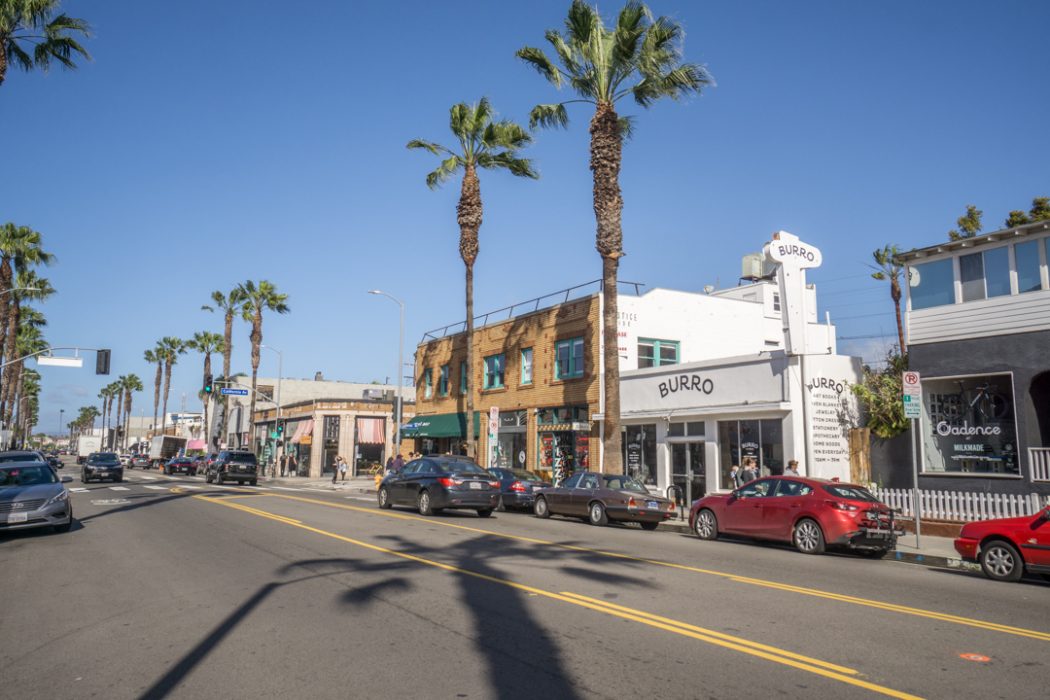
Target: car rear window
524, 475
624, 483
456, 467
854, 493
244, 457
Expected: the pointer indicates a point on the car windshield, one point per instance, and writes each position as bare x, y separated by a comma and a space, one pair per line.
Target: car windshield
524, 475
854, 493
19, 457
105, 459
624, 483
26, 476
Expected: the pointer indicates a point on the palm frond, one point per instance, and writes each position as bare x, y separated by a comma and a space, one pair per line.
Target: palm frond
519, 167
434, 148
17, 56
566, 54
481, 115
506, 134
443, 172
543, 65
626, 125
626, 39
582, 23
548, 116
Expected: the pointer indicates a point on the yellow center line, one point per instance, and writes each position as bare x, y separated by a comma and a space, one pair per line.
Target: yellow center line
801, 590
770, 653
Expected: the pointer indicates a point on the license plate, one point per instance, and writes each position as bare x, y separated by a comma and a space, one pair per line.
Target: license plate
476, 485
652, 504
17, 517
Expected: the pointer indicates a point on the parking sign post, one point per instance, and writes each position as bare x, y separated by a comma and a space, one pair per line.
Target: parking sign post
911, 387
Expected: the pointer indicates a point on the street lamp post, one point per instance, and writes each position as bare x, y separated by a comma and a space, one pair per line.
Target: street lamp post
280, 376
61, 413
400, 359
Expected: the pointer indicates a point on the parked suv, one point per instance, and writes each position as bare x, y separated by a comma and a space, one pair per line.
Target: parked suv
233, 465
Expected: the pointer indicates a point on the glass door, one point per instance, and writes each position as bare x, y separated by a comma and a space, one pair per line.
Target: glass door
689, 457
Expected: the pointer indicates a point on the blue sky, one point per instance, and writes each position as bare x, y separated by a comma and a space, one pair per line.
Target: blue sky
208, 143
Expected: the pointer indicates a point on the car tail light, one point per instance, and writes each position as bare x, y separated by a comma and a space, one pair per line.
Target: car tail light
446, 481
516, 486
839, 505
671, 506
494, 484
631, 503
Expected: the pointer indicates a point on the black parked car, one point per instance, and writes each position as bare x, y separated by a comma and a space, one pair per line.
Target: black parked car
432, 484
102, 465
517, 487
233, 465
180, 465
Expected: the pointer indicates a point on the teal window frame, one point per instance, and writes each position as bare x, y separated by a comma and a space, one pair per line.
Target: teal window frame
495, 366
463, 377
658, 345
527, 378
574, 360
428, 383
443, 381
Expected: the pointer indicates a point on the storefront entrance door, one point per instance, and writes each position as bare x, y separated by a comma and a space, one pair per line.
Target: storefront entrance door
689, 456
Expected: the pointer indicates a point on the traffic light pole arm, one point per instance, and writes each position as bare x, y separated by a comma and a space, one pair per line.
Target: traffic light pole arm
48, 351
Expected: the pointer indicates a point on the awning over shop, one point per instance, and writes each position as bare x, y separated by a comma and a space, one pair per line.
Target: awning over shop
440, 425
370, 431
195, 445
305, 430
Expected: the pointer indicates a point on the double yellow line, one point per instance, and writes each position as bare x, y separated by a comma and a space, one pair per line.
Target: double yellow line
726, 641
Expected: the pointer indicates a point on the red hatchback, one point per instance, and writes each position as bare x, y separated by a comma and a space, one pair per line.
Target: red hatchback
811, 513
1007, 547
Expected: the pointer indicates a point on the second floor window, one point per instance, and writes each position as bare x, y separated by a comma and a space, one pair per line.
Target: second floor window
494, 372
526, 366
443, 381
657, 353
568, 356
462, 377
428, 384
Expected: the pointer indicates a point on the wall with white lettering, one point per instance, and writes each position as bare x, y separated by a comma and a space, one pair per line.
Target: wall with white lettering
704, 385
831, 411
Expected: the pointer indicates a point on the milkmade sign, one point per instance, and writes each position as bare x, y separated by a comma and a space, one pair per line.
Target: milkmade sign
226, 391
912, 394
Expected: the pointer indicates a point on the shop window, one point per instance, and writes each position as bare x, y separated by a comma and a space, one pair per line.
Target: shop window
932, 284
443, 381
691, 429
462, 377
970, 426
428, 383
526, 366
568, 358
494, 372
657, 353
1026, 257
639, 452
762, 440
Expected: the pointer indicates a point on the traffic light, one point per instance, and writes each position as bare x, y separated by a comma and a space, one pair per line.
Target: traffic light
208, 385
280, 430
102, 362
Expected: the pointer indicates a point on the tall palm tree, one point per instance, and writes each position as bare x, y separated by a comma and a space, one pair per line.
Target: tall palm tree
230, 305
119, 387
30, 340
889, 267
28, 287
255, 299
130, 384
31, 26
20, 248
106, 393
639, 58
113, 391
206, 343
156, 356
171, 347
483, 143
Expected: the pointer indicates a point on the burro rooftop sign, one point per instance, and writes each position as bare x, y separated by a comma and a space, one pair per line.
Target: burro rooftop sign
789, 250
793, 257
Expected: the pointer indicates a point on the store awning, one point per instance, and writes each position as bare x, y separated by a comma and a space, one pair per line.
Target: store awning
440, 425
305, 430
195, 445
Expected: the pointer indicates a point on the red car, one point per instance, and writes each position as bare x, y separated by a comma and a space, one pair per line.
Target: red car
811, 513
1007, 547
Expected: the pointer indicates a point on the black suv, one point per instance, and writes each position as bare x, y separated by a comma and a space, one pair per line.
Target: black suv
233, 465
102, 465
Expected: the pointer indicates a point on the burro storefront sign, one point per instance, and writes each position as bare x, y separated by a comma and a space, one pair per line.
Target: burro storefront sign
686, 382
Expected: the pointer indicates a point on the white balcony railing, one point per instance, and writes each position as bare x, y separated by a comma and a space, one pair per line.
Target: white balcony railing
1039, 461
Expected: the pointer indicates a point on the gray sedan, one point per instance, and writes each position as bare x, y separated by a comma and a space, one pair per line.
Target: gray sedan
32, 495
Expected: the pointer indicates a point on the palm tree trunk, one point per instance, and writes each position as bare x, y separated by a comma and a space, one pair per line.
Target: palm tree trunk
226, 353
3, 58
13, 318
206, 401
6, 278
167, 386
606, 150
895, 292
120, 420
469, 213
256, 339
156, 393
13, 384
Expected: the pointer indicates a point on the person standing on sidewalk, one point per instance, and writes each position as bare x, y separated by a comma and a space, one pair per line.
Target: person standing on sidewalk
734, 477
750, 473
343, 467
792, 468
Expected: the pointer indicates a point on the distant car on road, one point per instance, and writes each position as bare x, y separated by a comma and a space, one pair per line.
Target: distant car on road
32, 495
1007, 547
180, 465
139, 460
813, 514
517, 487
603, 498
102, 465
125, 460
432, 484
233, 465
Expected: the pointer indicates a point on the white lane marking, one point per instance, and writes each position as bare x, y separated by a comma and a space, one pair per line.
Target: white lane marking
78, 490
119, 488
155, 488
190, 486
360, 498
307, 488
286, 488
150, 478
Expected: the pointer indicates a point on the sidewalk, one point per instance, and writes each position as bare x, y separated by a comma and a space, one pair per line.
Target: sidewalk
359, 484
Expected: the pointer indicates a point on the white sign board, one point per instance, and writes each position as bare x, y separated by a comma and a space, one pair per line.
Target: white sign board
793, 258
60, 361
912, 394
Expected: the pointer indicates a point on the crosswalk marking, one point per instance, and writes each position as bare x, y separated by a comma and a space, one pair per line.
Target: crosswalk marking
150, 478
190, 486
119, 488
79, 490
156, 488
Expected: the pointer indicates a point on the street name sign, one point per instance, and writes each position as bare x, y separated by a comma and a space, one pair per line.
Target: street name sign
912, 394
226, 391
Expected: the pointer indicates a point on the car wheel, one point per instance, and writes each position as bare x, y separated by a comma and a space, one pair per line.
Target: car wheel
207, 478
83, 478
873, 553
383, 497
1001, 562
484, 512
64, 527
118, 479
596, 514
500, 506
808, 537
218, 478
253, 482
423, 503
649, 526
706, 525
540, 508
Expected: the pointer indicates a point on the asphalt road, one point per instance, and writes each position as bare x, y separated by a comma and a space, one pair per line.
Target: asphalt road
171, 587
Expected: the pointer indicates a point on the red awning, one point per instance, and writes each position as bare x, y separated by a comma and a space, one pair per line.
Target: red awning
305, 428
195, 445
370, 431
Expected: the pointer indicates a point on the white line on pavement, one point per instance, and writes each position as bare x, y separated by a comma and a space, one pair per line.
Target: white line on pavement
150, 478
189, 486
79, 490
155, 488
286, 488
119, 488
360, 498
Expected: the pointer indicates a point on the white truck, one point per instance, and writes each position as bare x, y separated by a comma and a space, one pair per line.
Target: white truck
86, 444
164, 447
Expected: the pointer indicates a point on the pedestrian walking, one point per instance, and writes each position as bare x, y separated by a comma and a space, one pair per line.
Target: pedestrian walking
342, 467
792, 468
399, 462
389, 464
284, 465
734, 477
750, 471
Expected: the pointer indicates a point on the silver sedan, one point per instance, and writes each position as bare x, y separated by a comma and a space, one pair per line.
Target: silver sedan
32, 495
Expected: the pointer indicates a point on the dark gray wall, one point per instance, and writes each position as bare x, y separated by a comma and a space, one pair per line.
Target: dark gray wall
1026, 355
891, 462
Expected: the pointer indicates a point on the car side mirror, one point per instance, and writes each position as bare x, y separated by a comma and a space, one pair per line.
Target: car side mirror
66, 478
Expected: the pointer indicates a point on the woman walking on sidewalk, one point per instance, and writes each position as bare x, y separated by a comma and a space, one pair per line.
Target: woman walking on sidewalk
340, 469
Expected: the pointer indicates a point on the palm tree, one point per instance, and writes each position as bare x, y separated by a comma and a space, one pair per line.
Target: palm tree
28, 287
171, 348
30, 340
113, 392
230, 305
106, 393
206, 343
889, 267
32, 23
483, 143
639, 58
20, 247
119, 385
130, 384
255, 298
156, 355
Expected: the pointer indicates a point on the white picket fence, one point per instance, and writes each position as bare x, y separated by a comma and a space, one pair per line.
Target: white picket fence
961, 505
